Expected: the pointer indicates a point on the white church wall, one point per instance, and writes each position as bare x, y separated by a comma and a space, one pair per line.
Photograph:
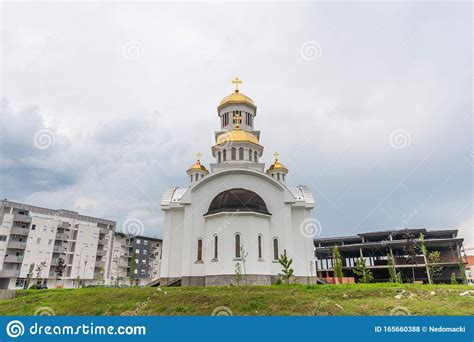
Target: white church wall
172, 244
226, 226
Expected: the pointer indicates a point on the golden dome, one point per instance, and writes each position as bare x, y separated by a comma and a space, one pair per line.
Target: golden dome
197, 165
277, 166
237, 97
237, 135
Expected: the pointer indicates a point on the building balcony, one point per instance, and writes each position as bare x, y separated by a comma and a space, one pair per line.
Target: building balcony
20, 231
62, 236
103, 231
103, 241
101, 252
100, 264
14, 259
59, 249
16, 244
22, 218
10, 273
64, 225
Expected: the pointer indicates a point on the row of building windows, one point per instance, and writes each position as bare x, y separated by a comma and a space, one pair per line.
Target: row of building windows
238, 247
222, 156
248, 118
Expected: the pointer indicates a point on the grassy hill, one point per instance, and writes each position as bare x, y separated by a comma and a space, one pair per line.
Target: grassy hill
369, 299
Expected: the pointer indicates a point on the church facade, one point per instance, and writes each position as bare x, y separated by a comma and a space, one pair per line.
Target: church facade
238, 216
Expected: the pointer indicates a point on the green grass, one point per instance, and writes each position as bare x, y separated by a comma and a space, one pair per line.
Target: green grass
354, 299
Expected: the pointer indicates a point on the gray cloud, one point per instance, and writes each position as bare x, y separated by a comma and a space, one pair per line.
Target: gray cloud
127, 128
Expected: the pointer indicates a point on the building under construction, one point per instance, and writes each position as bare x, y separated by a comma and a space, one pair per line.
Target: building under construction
403, 247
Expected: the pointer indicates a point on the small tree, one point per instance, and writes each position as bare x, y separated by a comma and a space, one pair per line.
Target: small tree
286, 267
243, 256
117, 270
454, 281
29, 275
60, 267
361, 270
39, 270
399, 278
462, 272
435, 270
411, 250
424, 251
238, 273
337, 264
100, 276
391, 269
133, 267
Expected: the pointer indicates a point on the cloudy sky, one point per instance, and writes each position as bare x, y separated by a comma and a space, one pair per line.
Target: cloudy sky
104, 105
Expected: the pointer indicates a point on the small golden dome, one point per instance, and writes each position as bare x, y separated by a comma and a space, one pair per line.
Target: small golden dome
237, 135
277, 166
197, 165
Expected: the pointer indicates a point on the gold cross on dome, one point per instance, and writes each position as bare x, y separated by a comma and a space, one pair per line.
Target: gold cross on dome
198, 156
236, 81
237, 120
276, 155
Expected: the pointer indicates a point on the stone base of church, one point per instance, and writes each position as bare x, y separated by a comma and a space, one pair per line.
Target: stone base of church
229, 279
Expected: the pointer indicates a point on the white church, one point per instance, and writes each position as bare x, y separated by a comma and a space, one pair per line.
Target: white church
236, 212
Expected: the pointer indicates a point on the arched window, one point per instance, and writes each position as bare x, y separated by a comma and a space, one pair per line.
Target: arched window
260, 246
215, 246
224, 158
199, 250
196, 177
237, 245
219, 156
255, 155
233, 153
275, 249
278, 176
241, 153
191, 178
250, 154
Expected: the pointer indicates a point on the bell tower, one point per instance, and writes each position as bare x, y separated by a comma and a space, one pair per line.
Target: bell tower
237, 141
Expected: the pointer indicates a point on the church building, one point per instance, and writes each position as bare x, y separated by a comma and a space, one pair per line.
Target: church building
237, 216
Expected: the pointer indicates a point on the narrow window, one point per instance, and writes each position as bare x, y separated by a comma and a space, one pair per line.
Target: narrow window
233, 153
255, 156
224, 158
275, 249
260, 246
237, 245
278, 176
241, 153
215, 247
196, 177
250, 154
199, 254
219, 157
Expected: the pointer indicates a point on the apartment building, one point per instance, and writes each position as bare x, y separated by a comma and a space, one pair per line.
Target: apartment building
32, 239
135, 259
376, 248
